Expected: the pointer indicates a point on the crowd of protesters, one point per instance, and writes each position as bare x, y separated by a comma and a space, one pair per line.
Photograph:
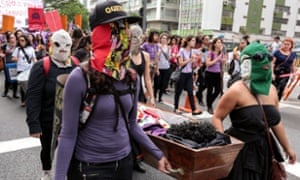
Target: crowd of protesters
165, 54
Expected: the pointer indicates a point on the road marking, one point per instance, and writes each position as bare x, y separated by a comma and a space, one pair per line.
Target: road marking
19, 144
293, 168
284, 105
203, 115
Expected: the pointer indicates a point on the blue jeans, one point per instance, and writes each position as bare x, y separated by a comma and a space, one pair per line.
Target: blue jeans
115, 170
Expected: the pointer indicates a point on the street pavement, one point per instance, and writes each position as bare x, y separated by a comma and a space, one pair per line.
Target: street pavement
19, 154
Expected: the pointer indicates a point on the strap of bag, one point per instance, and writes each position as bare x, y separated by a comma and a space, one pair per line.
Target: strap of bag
266, 126
26, 56
118, 101
164, 53
89, 100
286, 59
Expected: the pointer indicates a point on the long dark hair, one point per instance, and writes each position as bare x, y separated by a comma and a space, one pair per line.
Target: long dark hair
28, 43
213, 44
84, 41
151, 36
187, 40
103, 83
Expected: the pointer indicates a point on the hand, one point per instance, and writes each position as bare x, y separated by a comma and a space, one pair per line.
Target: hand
291, 155
157, 72
152, 102
164, 165
36, 135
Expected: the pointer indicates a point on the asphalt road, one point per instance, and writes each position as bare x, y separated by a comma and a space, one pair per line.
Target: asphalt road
22, 163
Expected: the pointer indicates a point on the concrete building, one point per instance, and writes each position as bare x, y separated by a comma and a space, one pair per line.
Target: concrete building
262, 19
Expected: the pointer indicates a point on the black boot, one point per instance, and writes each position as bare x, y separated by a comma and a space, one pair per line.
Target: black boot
138, 166
4, 94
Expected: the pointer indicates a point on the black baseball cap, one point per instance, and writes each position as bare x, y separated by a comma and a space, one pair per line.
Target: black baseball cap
110, 11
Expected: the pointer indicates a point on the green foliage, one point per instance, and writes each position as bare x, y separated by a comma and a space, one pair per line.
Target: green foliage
70, 8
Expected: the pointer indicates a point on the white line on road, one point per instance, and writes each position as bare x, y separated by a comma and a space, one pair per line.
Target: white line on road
284, 105
18, 144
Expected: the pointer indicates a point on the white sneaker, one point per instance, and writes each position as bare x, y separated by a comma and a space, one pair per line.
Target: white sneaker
46, 176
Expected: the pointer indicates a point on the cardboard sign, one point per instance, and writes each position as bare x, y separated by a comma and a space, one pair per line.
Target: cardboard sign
8, 23
36, 19
53, 20
64, 22
78, 20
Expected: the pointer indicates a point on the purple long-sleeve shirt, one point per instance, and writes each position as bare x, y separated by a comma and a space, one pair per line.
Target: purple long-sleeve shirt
97, 142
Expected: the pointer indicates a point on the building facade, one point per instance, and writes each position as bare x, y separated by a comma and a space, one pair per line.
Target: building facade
255, 17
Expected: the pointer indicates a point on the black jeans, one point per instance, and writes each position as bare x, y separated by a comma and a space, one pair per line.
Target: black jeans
280, 84
213, 82
45, 139
160, 83
185, 82
115, 170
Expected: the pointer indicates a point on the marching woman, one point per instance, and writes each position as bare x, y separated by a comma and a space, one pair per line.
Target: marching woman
102, 149
25, 57
283, 63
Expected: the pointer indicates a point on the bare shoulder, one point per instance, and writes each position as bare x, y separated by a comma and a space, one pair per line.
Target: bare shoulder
146, 54
237, 89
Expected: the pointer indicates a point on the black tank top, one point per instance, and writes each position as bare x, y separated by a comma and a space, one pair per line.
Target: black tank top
140, 68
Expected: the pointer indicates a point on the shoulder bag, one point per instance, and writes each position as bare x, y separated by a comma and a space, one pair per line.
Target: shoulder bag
277, 171
279, 69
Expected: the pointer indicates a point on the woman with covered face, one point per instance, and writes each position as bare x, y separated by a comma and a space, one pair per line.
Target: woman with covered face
140, 62
244, 101
102, 149
41, 94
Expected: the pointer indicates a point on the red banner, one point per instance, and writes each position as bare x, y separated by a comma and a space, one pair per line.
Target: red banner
53, 20
36, 19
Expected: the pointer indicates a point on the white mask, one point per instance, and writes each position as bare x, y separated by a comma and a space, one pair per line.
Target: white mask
61, 43
136, 34
246, 67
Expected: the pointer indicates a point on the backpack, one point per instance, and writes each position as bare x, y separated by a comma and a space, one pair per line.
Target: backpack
87, 105
47, 63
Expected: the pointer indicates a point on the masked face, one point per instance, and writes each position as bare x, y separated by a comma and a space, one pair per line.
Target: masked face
136, 34
256, 68
61, 43
111, 49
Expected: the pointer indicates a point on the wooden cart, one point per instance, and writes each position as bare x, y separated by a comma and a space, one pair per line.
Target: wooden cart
204, 164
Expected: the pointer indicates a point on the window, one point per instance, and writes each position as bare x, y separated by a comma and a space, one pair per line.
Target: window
280, 20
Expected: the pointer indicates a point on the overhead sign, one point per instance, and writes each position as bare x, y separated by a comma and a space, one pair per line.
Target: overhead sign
18, 9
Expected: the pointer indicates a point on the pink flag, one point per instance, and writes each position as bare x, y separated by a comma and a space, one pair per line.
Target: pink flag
53, 20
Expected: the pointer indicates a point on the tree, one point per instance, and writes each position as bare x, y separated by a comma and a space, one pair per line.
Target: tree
69, 8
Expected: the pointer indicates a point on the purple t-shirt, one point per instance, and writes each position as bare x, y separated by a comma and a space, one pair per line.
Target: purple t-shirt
215, 68
97, 142
186, 55
151, 48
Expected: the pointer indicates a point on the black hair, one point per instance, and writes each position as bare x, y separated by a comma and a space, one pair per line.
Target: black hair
151, 35
187, 40
28, 43
84, 41
213, 44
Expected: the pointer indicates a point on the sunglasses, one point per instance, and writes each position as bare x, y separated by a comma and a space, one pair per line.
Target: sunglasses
260, 57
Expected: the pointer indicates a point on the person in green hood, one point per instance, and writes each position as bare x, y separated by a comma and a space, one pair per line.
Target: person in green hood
240, 102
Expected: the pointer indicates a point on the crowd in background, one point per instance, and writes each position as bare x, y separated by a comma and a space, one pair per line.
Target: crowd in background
201, 59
